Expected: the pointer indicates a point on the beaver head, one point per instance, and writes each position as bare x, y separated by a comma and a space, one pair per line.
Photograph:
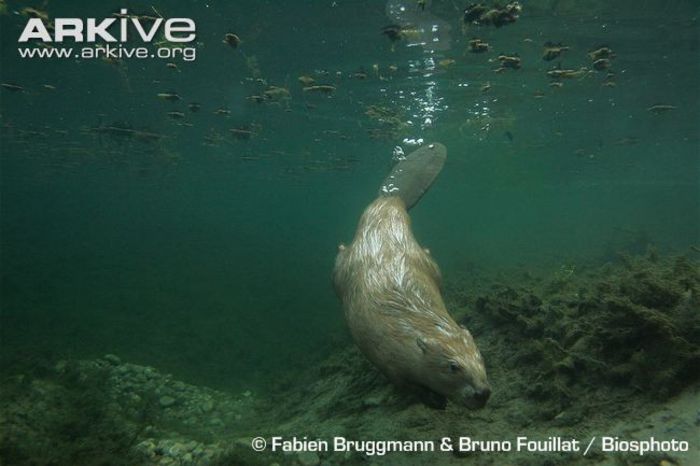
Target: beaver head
453, 367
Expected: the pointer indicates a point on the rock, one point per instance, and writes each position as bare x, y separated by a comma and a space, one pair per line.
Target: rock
207, 406
112, 359
216, 422
166, 401
308, 458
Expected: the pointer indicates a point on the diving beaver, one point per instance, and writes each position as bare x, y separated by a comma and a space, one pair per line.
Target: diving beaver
390, 290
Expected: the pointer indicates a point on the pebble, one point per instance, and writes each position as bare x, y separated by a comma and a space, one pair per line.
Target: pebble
207, 406
216, 422
166, 401
372, 401
112, 359
308, 458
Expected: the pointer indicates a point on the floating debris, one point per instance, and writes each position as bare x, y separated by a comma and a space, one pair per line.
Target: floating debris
394, 32
222, 111
559, 73
601, 64
12, 87
661, 108
601, 52
276, 93
321, 88
474, 12
172, 66
552, 50
137, 16
169, 96
361, 74
176, 115
479, 14
232, 40
30, 12
194, 106
122, 131
509, 61
306, 80
242, 134
258, 99
48, 87
446, 63
626, 141
214, 139
478, 46
485, 87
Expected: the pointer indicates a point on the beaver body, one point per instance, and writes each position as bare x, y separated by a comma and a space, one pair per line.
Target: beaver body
390, 290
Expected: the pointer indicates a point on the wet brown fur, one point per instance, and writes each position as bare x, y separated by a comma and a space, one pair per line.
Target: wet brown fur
390, 289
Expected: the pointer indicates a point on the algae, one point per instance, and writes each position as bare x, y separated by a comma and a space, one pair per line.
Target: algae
573, 351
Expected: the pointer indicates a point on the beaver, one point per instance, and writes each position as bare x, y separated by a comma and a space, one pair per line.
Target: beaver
390, 290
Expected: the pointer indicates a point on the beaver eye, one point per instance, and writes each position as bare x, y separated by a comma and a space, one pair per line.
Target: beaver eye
454, 367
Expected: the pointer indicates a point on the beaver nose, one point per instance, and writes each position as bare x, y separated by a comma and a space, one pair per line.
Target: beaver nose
482, 396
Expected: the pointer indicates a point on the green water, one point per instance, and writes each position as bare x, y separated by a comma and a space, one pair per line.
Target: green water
213, 262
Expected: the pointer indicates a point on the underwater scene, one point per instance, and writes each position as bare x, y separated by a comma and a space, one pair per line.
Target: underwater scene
349, 232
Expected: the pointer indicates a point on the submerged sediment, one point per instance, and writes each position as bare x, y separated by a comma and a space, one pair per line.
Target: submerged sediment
575, 353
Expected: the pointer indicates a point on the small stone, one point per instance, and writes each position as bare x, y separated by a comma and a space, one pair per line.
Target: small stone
242, 442
166, 401
207, 406
308, 458
112, 359
372, 401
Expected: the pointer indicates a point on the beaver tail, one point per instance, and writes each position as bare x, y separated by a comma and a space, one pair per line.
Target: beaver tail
412, 176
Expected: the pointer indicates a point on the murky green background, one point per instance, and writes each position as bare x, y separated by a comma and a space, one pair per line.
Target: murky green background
213, 261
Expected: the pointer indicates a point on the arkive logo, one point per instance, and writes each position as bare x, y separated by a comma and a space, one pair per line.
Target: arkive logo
110, 38
176, 30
